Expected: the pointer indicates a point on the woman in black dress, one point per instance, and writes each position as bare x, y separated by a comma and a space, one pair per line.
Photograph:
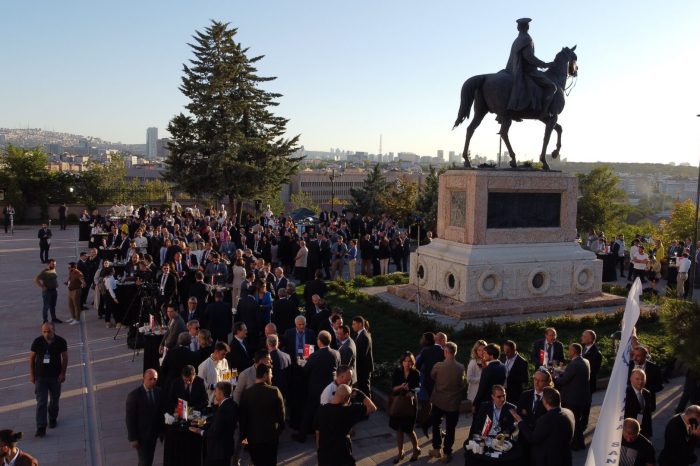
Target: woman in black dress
405, 380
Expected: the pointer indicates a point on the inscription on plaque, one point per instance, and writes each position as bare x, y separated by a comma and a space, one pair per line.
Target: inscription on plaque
458, 208
524, 210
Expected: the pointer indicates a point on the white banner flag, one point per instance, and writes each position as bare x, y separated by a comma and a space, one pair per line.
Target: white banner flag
605, 448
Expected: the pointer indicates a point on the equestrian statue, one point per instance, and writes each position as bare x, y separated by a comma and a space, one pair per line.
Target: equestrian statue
520, 91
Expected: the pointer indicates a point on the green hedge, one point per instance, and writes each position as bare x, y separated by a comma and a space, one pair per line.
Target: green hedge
395, 331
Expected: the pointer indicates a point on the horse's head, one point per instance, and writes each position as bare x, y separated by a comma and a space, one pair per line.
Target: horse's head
572, 68
564, 65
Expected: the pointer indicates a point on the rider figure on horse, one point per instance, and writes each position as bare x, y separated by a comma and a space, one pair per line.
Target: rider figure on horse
523, 65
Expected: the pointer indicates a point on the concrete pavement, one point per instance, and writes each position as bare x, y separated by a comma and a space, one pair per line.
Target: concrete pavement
91, 428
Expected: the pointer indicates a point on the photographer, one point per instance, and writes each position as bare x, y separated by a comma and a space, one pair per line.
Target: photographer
334, 422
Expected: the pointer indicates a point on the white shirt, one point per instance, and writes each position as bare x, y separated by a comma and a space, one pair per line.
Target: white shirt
328, 393
641, 265
212, 372
683, 265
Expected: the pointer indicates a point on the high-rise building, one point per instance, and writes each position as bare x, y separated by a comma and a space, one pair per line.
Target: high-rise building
152, 143
441, 156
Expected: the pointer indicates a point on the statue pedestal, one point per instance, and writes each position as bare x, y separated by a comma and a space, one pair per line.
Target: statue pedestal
506, 244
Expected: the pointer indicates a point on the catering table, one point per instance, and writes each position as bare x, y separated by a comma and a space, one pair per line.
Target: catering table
84, 229
514, 457
609, 262
127, 312
182, 447
151, 343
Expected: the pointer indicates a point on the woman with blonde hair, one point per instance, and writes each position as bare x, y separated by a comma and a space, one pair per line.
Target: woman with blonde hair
474, 369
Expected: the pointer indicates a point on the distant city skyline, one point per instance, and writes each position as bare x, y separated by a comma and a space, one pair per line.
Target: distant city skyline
352, 72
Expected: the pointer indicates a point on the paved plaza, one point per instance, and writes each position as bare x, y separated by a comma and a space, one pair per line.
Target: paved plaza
102, 370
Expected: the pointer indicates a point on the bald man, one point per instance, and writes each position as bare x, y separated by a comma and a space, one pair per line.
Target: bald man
144, 417
334, 422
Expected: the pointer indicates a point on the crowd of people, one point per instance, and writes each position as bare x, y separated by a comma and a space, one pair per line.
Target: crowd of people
649, 260
283, 360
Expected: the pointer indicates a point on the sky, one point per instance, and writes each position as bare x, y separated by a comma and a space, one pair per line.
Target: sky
352, 71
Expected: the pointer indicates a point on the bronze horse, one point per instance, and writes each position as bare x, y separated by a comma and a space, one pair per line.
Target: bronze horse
490, 92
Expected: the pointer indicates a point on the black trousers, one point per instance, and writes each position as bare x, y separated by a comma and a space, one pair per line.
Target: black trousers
451, 418
146, 450
44, 252
580, 425
263, 454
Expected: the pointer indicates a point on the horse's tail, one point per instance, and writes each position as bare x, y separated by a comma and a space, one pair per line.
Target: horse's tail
469, 89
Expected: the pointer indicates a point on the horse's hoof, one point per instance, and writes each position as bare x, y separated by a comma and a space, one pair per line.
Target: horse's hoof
467, 164
513, 164
545, 166
555, 153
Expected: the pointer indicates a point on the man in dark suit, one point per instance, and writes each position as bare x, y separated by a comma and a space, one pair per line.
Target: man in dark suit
248, 312
219, 318
220, 430
318, 315
638, 401
262, 417
320, 371
365, 356
294, 339
199, 290
530, 407
314, 287
494, 373
280, 282
550, 439
191, 312
167, 286
347, 350
240, 356
175, 327
680, 438
175, 360
576, 391
281, 365
549, 347
517, 375
593, 355
190, 388
293, 342
144, 417
44, 236
284, 311
640, 360
498, 411
431, 354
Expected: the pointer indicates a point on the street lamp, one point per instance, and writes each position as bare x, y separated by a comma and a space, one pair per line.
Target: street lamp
693, 247
332, 176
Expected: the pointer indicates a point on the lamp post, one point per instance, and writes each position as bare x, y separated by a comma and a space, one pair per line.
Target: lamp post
693, 247
332, 177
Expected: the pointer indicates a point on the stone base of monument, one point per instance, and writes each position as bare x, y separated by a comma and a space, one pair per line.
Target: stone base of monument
506, 307
464, 280
506, 245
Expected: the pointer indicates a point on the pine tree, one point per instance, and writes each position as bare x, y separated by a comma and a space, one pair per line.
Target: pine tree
229, 144
369, 199
427, 202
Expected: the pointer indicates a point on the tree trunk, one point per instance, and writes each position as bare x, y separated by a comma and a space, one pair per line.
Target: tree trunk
232, 213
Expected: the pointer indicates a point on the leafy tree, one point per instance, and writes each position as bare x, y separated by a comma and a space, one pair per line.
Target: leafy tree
25, 176
680, 225
303, 200
401, 199
230, 143
682, 320
427, 202
602, 202
370, 199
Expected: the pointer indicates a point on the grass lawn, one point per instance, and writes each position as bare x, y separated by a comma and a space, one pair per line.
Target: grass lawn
395, 331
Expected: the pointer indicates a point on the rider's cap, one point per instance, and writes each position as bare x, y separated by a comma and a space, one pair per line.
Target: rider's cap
523, 20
